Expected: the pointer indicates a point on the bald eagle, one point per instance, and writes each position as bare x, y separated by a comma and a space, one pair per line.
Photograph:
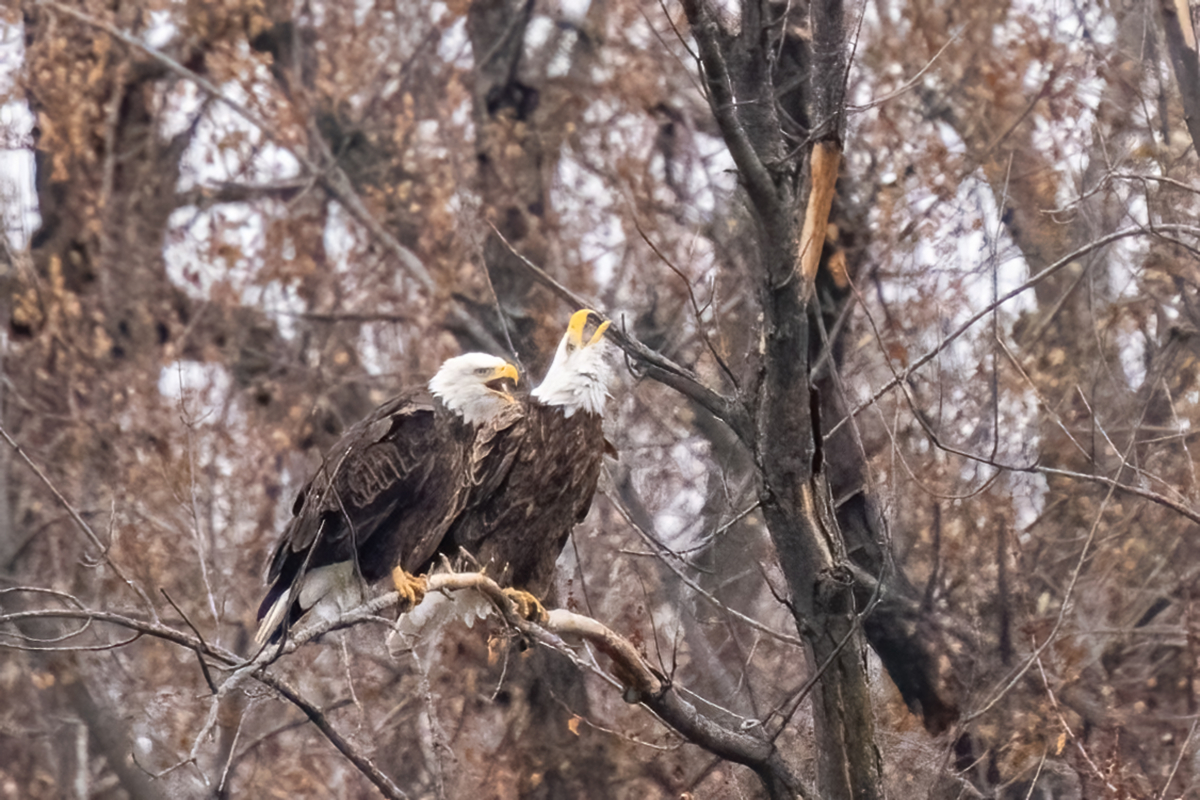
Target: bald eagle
387, 492
540, 471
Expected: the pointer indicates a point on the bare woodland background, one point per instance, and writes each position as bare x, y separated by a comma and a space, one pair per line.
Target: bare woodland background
1005, 528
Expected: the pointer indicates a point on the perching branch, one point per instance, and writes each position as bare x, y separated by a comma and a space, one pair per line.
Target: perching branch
640, 682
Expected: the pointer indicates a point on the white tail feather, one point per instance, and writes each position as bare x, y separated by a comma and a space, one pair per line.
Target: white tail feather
333, 589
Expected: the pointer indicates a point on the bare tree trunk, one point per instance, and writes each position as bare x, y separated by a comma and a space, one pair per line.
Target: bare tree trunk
794, 494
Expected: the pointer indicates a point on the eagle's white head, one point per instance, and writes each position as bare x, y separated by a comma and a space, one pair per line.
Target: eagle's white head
475, 386
578, 377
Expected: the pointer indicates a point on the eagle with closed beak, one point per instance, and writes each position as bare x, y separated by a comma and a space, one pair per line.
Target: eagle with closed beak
386, 493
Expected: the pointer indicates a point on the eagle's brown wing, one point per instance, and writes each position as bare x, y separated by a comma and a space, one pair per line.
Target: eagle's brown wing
383, 497
536, 485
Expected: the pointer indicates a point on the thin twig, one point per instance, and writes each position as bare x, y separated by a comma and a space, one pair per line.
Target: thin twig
1068, 593
189, 424
83, 648
237, 734
668, 557
79, 521
1057, 266
1178, 760
695, 306
1067, 728
500, 318
914, 80
203, 666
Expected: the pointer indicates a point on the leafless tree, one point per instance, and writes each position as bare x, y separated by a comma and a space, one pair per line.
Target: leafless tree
906, 298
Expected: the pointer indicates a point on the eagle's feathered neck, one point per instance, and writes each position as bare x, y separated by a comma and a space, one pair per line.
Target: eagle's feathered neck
577, 379
468, 386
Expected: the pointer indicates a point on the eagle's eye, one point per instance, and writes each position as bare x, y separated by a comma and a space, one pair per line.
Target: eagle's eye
483, 371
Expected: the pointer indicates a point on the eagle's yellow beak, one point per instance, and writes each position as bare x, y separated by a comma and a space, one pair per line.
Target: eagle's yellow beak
599, 334
498, 381
579, 321
507, 371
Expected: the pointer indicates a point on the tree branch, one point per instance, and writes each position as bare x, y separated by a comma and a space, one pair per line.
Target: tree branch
641, 683
829, 73
79, 521
1057, 266
724, 107
364, 764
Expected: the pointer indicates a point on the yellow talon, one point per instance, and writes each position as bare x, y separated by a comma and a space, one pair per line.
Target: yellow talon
528, 606
411, 588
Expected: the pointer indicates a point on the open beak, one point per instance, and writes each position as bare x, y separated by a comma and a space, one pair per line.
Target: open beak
504, 380
580, 322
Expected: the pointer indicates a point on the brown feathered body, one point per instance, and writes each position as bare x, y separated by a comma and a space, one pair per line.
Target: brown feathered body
387, 492
384, 495
504, 480
539, 475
